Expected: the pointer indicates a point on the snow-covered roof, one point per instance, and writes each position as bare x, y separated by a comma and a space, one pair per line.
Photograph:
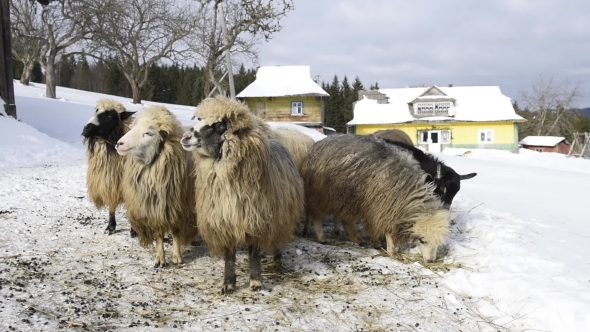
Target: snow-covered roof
368, 111
281, 81
549, 141
473, 103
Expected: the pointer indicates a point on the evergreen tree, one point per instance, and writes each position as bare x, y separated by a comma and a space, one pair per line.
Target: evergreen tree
81, 77
17, 68
37, 76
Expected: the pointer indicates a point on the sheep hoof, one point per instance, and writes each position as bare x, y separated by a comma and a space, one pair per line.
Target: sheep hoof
255, 285
278, 257
133, 233
323, 242
158, 264
177, 262
110, 230
363, 244
228, 288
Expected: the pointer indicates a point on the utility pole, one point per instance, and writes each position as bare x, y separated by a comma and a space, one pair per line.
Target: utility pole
6, 75
232, 89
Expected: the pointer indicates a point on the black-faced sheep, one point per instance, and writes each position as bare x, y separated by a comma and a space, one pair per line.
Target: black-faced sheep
447, 182
248, 190
158, 183
110, 122
364, 178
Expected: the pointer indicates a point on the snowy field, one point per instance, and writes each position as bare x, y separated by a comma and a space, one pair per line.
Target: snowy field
517, 258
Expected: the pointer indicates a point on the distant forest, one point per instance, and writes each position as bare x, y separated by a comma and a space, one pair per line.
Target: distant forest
177, 84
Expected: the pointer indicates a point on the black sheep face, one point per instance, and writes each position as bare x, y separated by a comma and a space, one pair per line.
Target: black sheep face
206, 139
448, 184
104, 123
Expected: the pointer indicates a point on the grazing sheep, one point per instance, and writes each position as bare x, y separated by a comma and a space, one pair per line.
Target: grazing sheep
248, 190
158, 183
446, 181
364, 178
109, 123
394, 135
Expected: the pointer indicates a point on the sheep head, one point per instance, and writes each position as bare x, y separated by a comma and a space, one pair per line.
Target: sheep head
219, 119
149, 132
106, 123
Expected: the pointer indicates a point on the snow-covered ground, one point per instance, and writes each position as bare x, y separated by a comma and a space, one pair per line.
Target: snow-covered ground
517, 257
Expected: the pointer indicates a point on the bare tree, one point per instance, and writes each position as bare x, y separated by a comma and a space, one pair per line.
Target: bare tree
553, 104
134, 34
29, 37
248, 24
66, 23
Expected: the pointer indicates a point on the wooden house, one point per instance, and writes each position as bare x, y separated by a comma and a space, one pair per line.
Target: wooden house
286, 94
546, 144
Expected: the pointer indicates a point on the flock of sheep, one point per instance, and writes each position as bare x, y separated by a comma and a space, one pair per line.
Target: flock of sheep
236, 181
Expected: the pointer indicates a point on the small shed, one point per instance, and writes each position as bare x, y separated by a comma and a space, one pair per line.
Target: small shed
556, 144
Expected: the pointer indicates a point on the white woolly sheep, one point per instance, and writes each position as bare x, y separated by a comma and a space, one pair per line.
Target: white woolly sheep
247, 188
158, 183
364, 178
109, 123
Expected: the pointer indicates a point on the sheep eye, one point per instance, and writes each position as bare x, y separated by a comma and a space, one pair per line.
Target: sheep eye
199, 119
149, 133
422, 241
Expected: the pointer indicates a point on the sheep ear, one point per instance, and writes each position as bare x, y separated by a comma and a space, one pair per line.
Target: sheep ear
125, 115
163, 134
467, 176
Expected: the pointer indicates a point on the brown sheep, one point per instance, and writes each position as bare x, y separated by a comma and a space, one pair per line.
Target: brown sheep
248, 190
158, 183
364, 178
394, 135
109, 123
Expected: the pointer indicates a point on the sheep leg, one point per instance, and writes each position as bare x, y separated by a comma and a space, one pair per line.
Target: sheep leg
112, 226
160, 257
306, 223
349, 227
337, 221
176, 255
319, 230
390, 245
255, 268
229, 276
376, 242
277, 255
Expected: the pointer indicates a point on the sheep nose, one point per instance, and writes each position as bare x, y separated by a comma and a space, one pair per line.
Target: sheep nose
118, 145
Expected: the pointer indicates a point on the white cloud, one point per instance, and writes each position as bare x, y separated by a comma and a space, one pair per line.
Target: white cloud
507, 43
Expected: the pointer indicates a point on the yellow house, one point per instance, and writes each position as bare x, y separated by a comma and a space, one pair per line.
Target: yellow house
286, 94
438, 117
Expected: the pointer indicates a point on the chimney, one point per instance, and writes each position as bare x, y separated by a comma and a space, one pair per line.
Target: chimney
451, 85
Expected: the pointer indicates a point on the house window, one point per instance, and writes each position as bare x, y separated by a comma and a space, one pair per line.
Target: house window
422, 137
539, 149
297, 108
445, 137
485, 136
440, 108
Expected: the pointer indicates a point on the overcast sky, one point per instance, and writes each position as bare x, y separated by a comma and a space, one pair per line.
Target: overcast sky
509, 43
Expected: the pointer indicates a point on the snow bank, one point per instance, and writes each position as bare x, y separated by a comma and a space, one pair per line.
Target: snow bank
549, 160
64, 118
316, 135
22, 145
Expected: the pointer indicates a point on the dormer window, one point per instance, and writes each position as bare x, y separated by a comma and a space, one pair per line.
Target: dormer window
433, 108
